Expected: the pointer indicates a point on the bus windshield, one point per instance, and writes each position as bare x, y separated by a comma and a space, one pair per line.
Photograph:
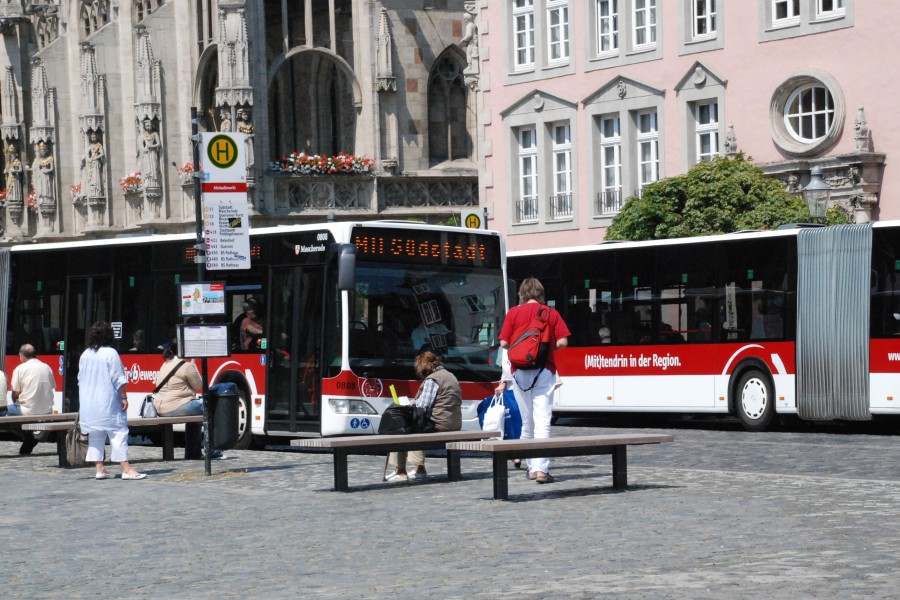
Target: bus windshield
398, 311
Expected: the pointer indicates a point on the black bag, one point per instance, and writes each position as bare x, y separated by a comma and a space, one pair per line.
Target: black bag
398, 420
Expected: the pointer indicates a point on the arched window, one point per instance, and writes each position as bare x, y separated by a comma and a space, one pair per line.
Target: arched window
448, 123
93, 15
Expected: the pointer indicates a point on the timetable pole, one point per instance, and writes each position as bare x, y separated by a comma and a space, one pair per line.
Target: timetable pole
200, 260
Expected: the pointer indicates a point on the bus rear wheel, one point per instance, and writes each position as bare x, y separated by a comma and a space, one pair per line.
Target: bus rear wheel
755, 404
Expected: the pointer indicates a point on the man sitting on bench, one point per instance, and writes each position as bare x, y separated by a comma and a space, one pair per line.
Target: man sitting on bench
32, 393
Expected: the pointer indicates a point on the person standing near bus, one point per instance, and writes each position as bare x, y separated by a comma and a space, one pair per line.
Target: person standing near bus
533, 388
32, 389
104, 402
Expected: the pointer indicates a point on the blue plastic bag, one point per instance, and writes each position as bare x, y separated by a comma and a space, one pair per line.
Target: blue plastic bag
513, 424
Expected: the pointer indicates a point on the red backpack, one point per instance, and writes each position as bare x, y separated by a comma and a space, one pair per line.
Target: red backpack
530, 343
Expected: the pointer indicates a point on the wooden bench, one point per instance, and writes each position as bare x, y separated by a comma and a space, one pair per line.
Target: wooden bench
136, 426
16, 421
381, 445
502, 451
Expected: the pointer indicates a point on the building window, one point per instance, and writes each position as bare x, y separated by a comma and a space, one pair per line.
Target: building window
561, 201
785, 13
610, 197
647, 147
558, 30
527, 204
644, 23
703, 19
448, 133
827, 9
523, 19
607, 26
706, 117
809, 113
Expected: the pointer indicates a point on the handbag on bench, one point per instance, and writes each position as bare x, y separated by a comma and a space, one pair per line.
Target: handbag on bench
148, 410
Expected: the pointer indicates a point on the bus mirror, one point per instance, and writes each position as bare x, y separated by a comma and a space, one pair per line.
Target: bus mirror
346, 267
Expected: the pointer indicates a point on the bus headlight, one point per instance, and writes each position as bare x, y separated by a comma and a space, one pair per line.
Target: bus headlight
343, 406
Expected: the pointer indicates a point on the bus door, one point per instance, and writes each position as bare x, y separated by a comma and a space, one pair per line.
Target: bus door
293, 389
88, 300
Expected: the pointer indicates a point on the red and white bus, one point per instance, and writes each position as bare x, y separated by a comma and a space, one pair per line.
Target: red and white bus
344, 306
802, 320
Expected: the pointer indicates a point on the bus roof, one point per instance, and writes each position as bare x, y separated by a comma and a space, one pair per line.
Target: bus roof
739, 235
340, 229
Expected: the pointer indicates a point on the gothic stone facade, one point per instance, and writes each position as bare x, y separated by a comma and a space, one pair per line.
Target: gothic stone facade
97, 98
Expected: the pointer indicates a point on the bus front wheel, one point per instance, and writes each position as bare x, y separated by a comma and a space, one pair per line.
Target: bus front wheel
755, 404
245, 438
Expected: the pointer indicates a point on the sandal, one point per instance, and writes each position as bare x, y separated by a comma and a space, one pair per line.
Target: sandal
134, 475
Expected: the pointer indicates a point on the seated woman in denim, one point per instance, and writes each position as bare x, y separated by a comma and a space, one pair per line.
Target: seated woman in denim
178, 398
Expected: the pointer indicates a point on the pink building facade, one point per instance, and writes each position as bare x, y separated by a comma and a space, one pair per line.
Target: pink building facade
584, 102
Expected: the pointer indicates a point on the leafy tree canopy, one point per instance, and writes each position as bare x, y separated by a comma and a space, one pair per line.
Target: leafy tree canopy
721, 195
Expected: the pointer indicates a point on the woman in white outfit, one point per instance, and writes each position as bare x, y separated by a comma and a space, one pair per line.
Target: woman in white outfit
103, 402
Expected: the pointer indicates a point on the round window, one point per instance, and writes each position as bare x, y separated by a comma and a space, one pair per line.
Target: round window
807, 113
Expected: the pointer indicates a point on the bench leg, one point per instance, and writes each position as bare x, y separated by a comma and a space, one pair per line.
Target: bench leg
501, 476
620, 467
454, 471
168, 442
61, 449
340, 471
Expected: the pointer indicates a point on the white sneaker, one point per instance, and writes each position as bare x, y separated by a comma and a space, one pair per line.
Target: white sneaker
413, 476
396, 477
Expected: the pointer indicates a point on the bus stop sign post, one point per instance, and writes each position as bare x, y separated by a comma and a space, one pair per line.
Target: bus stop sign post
200, 260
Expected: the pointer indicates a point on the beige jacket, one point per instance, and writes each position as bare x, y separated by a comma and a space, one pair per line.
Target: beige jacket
179, 389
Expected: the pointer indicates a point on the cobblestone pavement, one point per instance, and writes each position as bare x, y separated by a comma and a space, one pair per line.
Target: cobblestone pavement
718, 514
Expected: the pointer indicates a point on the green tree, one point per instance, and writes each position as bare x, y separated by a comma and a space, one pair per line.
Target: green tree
722, 195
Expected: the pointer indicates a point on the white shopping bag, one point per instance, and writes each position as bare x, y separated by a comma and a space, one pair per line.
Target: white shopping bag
495, 416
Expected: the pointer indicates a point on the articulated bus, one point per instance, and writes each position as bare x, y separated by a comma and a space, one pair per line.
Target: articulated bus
801, 321
345, 307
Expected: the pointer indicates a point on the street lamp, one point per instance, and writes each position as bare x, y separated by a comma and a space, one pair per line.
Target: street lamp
816, 194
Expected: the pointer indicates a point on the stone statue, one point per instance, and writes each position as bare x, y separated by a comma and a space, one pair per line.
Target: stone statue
14, 189
92, 164
225, 123
150, 147
43, 169
245, 126
470, 42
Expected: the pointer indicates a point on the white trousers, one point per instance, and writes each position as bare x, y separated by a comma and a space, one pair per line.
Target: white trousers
118, 445
536, 406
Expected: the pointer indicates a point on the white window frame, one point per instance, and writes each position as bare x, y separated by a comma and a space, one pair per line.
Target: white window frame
562, 168
647, 10
837, 9
611, 142
528, 155
558, 49
703, 12
612, 21
523, 14
706, 130
813, 114
647, 138
792, 13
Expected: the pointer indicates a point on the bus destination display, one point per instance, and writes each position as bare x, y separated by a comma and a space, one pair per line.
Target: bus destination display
427, 247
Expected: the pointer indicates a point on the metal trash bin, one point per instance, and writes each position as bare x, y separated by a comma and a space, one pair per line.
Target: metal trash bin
223, 408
